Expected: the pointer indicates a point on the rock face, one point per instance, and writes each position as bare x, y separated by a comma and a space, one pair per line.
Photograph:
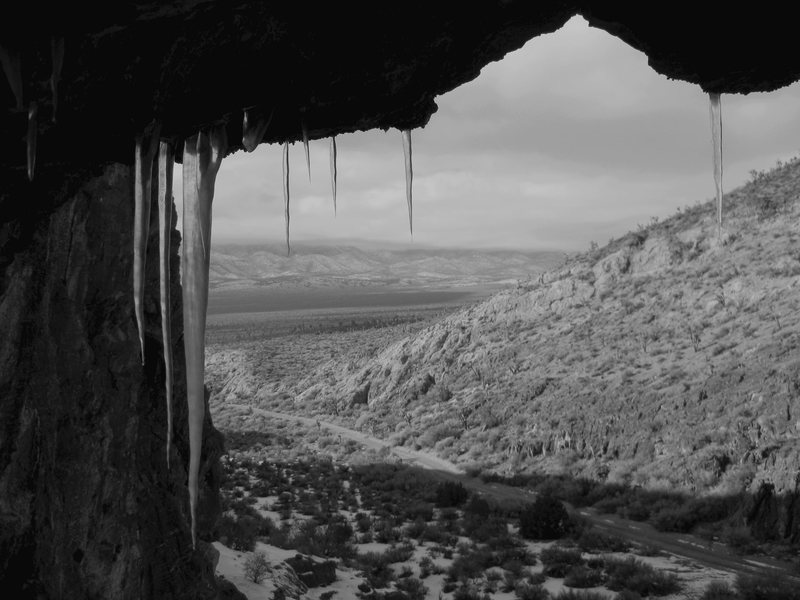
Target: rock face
87, 507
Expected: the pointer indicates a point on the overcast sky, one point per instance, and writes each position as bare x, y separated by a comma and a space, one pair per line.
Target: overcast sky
571, 139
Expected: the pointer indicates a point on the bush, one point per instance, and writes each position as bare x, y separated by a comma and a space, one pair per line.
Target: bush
450, 493
559, 561
412, 588
636, 576
580, 595
596, 542
766, 588
256, 567
232, 533
545, 519
718, 590
525, 591
581, 577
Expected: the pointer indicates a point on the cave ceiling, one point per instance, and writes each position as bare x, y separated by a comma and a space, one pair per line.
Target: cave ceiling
334, 67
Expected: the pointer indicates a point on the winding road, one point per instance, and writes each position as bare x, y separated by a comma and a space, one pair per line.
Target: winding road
708, 554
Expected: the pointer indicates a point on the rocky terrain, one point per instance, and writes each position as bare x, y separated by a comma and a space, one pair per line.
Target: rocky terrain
666, 359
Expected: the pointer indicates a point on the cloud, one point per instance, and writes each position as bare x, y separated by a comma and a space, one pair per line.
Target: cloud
570, 139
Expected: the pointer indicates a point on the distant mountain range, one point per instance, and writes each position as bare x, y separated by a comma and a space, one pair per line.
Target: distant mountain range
319, 265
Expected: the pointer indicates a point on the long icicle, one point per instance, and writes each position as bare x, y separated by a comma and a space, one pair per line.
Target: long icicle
716, 140
31, 138
13, 69
409, 175
203, 155
254, 126
286, 193
57, 53
166, 159
146, 145
333, 171
305, 147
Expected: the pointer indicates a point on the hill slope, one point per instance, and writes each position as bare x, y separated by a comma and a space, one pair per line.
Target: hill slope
668, 358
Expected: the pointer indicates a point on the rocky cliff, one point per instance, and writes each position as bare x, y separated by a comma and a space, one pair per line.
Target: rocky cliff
87, 506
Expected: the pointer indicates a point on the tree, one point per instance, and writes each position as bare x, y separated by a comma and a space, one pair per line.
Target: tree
545, 519
256, 567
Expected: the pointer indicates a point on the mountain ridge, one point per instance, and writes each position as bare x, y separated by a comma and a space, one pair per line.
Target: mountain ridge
318, 265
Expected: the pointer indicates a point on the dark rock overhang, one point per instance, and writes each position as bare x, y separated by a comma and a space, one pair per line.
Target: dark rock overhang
336, 66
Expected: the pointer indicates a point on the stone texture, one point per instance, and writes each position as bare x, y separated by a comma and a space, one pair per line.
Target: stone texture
87, 507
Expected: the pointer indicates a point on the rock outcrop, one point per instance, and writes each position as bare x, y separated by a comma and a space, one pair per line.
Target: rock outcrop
87, 507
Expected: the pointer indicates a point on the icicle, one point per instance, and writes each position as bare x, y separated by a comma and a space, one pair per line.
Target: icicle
409, 174
13, 69
33, 132
165, 163
305, 147
57, 52
254, 127
716, 139
333, 171
146, 145
286, 192
202, 156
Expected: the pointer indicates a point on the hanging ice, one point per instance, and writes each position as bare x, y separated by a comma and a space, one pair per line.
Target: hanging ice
716, 140
165, 163
254, 127
202, 156
333, 171
33, 132
305, 147
146, 145
409, 174
286, 192
13, 70
57, 52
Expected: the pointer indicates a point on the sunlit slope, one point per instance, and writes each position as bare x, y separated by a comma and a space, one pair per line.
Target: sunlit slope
668, 357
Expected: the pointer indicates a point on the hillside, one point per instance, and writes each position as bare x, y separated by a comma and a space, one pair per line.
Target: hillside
239, 266
667, 358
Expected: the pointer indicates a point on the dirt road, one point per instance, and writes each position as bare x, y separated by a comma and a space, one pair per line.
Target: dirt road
713, 555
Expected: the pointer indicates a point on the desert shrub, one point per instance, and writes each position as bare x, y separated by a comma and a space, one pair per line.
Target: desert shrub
596, 542
719, 590
450, 493
740, 539
545, 519
485, 529
766, 588
627, 595
639, 577
256, 567
581, 577
525, 591
580, 595
468, 592
558, 561
470, 564
232, 533
412, 587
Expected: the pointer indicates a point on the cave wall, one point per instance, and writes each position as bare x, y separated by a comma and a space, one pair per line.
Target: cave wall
87, 506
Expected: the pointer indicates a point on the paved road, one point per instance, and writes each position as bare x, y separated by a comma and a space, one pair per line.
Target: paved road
713, 555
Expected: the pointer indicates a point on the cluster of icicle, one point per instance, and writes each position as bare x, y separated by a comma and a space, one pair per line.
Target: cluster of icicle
202, 157
12, 66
